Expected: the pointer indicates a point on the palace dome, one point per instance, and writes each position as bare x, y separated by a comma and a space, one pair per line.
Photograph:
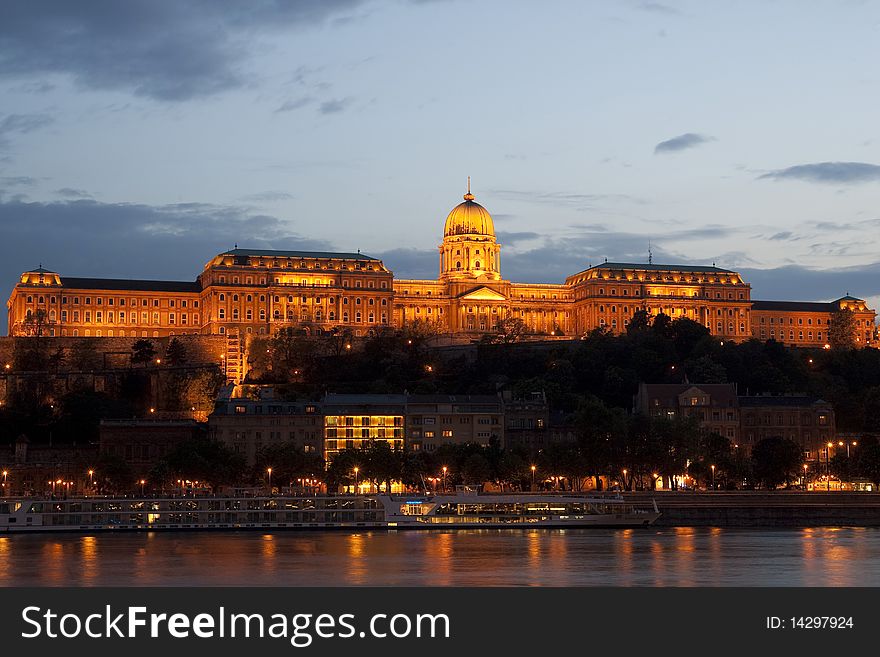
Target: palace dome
469, 218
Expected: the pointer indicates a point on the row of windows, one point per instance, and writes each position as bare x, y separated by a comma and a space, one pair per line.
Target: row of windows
110, 301
118, 318
303, 299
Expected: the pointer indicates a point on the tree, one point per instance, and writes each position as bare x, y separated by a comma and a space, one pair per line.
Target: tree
476, 470
638, 323
142, 352
204, 459
35, 323
114, 474
510, 329
842, 330
175, 353
776, 461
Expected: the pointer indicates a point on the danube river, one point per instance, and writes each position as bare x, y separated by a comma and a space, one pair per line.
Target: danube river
680, 556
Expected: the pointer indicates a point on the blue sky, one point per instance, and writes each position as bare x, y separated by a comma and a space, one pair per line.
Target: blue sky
138, 139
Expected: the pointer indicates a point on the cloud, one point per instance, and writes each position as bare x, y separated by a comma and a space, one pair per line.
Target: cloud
510, 239
410, 263
21, 124
335, 106
798, 283
168, 51
13, 181
68, 192
784, 235
657, 8
270, 195
291, 105
682, 142
575, 200
827, 172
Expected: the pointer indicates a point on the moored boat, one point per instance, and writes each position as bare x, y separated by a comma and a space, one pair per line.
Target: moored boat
459, 510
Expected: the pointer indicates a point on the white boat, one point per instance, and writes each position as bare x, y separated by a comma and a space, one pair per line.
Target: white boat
464, 509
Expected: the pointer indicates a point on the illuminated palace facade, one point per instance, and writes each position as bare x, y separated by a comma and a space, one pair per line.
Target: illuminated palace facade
247, 292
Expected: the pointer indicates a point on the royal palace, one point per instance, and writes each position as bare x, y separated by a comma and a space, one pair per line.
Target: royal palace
246, 292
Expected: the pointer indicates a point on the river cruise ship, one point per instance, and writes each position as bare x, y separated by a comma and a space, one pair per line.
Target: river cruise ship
459, 510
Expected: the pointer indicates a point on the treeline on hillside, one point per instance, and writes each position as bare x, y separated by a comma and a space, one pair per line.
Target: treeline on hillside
606, 367
56, 396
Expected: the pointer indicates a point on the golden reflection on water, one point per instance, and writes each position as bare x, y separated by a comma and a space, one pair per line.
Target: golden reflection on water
685, 555
89, 562
53, 564
357, 566
268, 549
623, 546
4, 558
439, 554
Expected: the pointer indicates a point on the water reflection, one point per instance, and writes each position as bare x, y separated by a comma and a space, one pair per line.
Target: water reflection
630, 557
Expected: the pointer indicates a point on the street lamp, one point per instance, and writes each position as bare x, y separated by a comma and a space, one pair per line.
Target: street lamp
713, 476
5, 473
828, 466
533, 477
624, 479
356, 470
269, 472
142, 482
805, 476
444, 478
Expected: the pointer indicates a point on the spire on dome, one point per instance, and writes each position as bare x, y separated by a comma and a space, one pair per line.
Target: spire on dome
469, 196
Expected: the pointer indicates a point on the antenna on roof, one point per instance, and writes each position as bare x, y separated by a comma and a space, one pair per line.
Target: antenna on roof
650, 255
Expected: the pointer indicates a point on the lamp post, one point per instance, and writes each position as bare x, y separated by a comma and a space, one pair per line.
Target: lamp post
828, 466
713, 476
624, 479
444, 478
533, 477
269, 473
805, 476
142, 482
5, 473
356, 470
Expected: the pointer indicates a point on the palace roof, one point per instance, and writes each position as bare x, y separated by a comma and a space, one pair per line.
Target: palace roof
126, 284
653, 267
271, 253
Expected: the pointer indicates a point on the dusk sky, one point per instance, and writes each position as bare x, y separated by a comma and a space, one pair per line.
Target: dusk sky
140, 138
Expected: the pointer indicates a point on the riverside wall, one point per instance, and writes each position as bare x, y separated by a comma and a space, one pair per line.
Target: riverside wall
764, 509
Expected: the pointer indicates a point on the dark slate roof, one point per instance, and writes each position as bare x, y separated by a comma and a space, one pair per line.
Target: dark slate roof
722, 394
453, 399
652, 267
779, 400
270, 253
794, 306
124, 284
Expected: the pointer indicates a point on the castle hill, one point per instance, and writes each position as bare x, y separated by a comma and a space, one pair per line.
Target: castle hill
313, 371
